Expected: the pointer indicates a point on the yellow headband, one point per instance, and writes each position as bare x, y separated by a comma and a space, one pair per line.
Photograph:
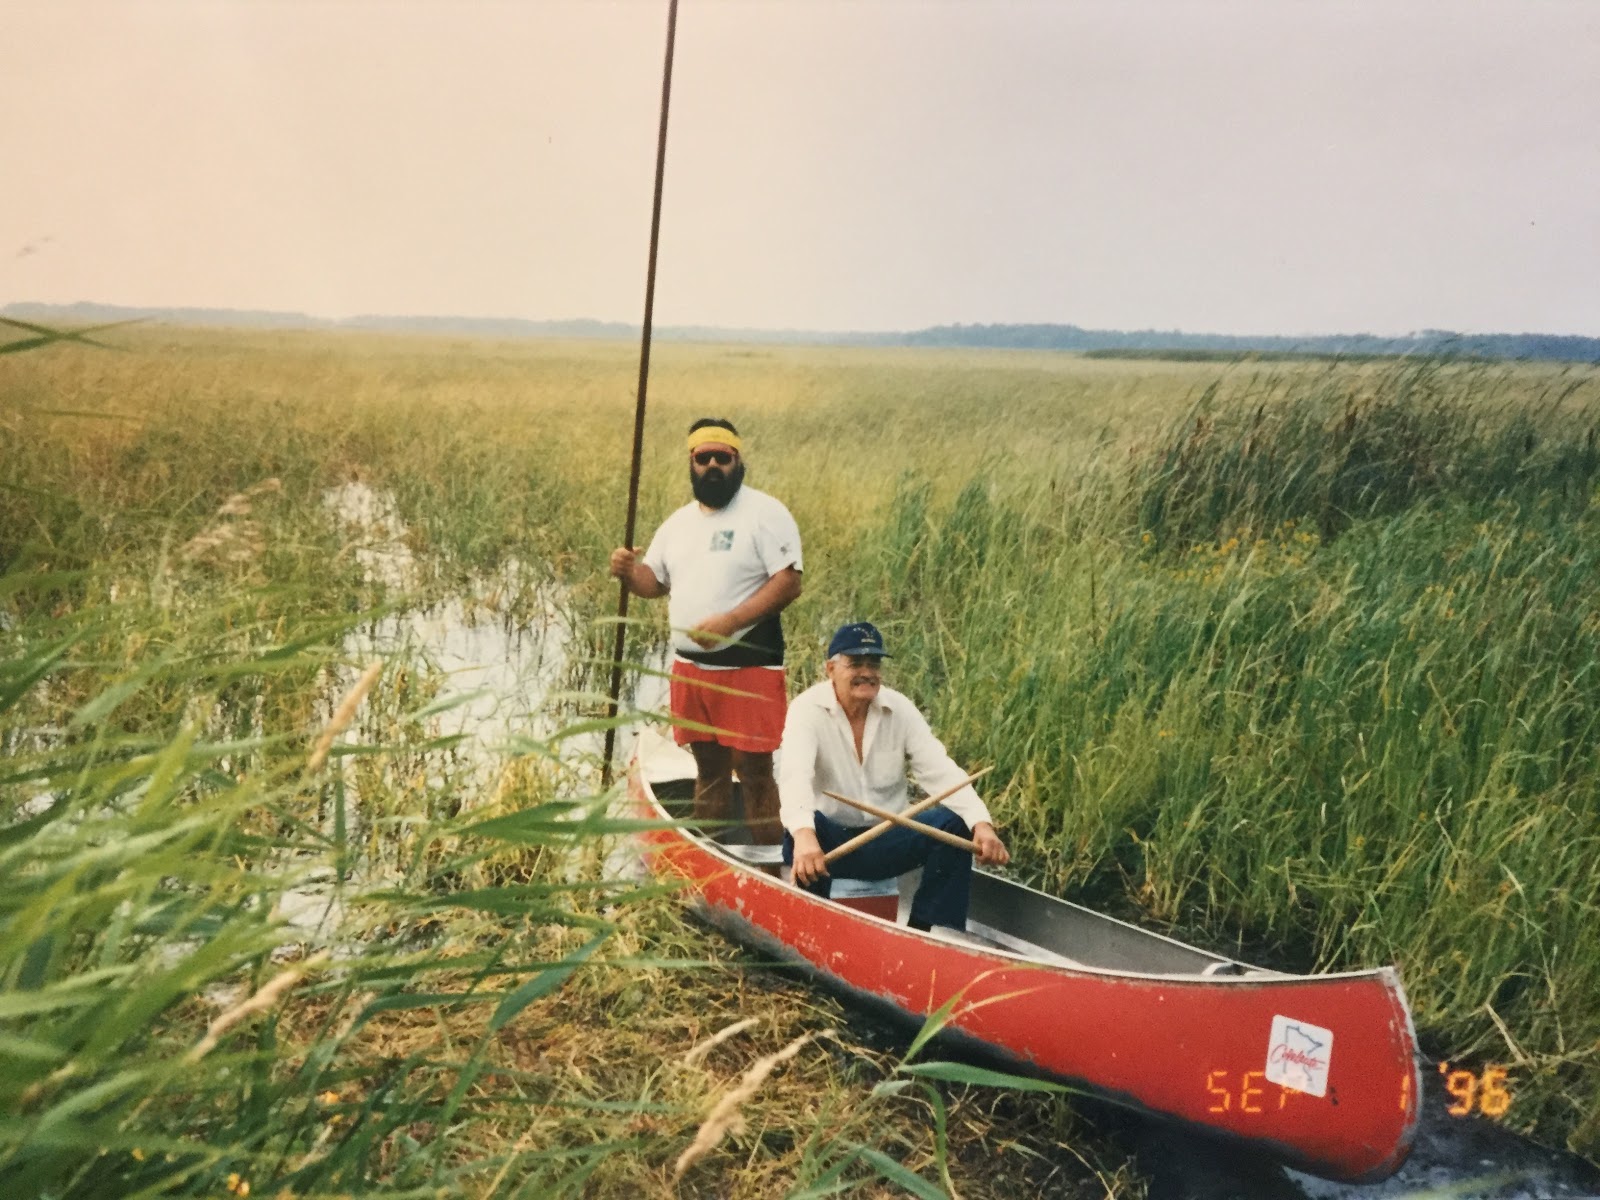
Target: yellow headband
713, 433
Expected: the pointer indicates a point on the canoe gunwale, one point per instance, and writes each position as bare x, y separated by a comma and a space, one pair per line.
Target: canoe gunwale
1252, 974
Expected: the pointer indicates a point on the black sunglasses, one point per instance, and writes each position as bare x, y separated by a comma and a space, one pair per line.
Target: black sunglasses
723, 458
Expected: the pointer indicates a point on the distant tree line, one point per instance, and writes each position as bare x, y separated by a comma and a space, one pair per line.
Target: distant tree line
1430, 343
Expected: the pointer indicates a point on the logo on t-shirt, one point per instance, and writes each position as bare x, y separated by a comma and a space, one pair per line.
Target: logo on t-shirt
722, 539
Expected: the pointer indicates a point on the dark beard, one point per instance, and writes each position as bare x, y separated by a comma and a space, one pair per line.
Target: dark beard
717, 488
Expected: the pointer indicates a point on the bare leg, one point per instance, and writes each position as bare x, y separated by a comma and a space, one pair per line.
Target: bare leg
713, 785
760, 796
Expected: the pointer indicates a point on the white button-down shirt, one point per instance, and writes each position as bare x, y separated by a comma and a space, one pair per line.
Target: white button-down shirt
819, 754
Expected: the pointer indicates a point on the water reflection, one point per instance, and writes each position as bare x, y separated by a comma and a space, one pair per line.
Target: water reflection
502, 681
1467, 1158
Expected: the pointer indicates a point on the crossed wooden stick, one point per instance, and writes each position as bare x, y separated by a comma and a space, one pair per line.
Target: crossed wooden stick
887, 818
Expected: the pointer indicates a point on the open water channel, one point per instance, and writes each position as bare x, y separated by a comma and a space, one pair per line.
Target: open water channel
1465, 1157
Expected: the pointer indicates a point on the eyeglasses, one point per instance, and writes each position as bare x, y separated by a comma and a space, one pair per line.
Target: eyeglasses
723, 458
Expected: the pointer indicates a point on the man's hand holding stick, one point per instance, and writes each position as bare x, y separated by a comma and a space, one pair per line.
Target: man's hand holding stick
810, 865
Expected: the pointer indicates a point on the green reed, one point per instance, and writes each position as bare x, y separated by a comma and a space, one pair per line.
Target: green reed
1294, 660
462, 1006
160, 813
1327, 710
173, 606
1320, 450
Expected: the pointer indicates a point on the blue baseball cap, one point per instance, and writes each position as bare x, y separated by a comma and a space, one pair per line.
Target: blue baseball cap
859, 638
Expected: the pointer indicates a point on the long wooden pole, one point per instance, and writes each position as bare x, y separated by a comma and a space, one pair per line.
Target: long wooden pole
644, 379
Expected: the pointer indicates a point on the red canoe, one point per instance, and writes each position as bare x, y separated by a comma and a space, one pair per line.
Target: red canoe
1318, 1070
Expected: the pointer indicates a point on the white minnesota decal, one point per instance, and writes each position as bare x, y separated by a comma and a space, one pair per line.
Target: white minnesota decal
1298, 1055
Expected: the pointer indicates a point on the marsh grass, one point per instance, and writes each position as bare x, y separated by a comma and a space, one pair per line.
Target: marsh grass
1321, 451
267, 930
145, 963
1323, 694
1293, 659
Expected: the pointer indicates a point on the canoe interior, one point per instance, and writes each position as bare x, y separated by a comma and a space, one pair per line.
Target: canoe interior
1009, 916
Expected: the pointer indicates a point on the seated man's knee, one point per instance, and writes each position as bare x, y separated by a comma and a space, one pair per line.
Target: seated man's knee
946, 819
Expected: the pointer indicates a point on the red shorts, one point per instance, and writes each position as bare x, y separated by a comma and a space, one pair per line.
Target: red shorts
746, 716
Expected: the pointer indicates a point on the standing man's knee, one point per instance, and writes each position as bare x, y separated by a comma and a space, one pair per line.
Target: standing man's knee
760, 791
752, 765
712, 761
713, 791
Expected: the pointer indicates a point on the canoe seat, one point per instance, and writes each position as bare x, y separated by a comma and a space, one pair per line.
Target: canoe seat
875, 897
886, 908
963, 937
760, 855
1016, 945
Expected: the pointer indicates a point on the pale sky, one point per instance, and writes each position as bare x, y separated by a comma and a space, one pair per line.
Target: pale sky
1239, 166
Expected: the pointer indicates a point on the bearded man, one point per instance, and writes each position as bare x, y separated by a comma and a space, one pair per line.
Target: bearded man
729, 564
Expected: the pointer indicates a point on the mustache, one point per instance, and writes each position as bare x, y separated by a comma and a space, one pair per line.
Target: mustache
716, 487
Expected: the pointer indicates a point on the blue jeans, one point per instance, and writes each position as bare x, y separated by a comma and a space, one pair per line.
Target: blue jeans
946, 870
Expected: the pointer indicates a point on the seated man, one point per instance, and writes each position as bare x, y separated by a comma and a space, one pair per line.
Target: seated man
851, 735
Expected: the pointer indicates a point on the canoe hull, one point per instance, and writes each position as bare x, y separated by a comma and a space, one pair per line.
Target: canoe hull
1318, 1070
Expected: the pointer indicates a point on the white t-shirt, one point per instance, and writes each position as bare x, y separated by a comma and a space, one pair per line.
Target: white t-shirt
712, 561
